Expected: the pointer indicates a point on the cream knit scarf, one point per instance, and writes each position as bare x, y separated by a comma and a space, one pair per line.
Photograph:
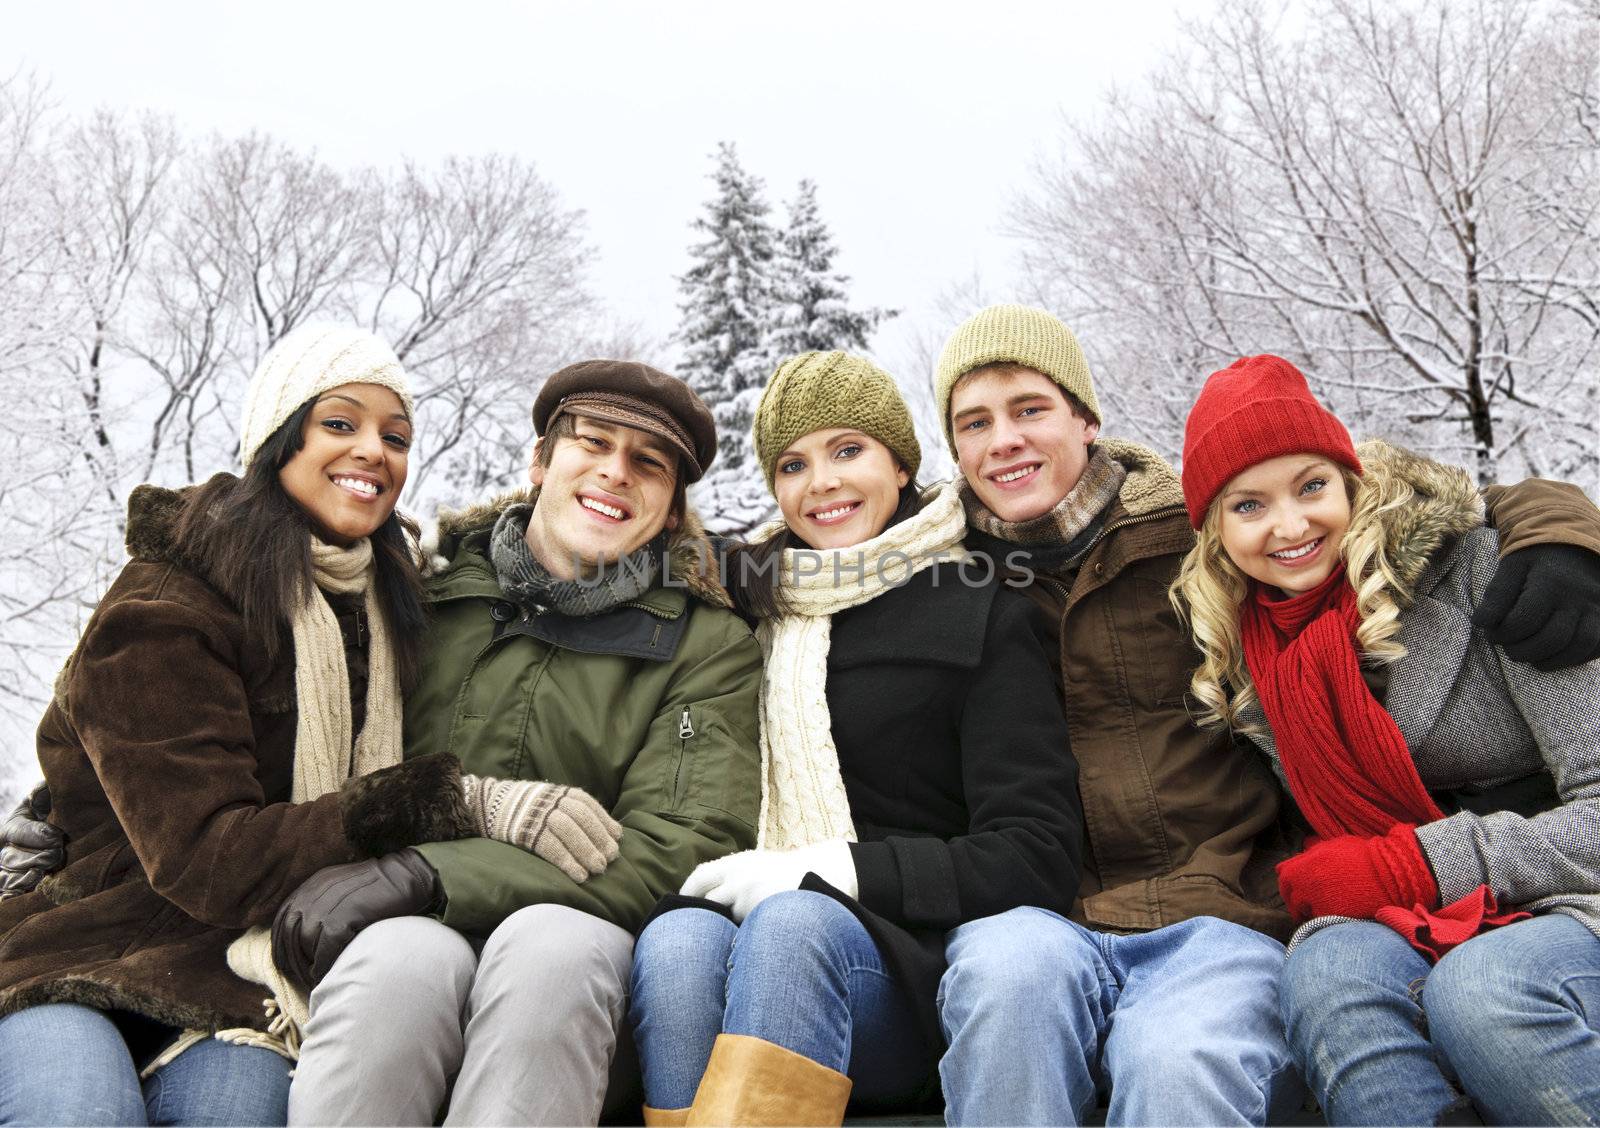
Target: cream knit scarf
802, 792
322, 761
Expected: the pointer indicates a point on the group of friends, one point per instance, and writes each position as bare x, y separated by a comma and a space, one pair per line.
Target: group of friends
1073, 782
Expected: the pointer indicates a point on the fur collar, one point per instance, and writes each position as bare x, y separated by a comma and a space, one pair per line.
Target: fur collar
1423, 505
152, 530
691, 557
1151, 484
153, 513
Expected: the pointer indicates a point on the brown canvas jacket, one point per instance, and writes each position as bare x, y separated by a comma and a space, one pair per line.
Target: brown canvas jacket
1178, 822
169, 751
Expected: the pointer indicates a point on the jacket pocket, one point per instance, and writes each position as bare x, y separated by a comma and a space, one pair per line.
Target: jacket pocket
718, 768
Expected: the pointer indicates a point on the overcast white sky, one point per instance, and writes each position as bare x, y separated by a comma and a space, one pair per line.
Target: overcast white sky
916, 121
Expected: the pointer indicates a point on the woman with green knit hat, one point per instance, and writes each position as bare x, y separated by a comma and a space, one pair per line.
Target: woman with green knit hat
914, 776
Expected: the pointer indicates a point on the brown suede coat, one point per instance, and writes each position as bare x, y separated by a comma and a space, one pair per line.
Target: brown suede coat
169, 750
1178, 822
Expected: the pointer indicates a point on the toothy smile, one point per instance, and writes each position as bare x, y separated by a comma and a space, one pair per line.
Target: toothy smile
616, 513
836, 513
357, 485
1296, 553
1015, 475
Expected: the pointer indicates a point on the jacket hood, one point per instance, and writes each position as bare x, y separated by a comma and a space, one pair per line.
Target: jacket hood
691, 556
1151, 484
1421, 505
152, 531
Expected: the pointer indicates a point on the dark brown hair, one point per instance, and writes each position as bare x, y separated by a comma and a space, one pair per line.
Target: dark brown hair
252, 540
565, 427
752, 569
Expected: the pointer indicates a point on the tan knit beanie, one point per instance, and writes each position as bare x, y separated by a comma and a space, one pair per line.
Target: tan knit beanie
1013, 334
306, 363
816, 390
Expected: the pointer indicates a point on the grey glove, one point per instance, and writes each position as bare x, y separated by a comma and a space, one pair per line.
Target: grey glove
566, 826
30, 848
318, 921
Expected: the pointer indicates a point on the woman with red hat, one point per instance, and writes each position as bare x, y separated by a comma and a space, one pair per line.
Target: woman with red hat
1448, 959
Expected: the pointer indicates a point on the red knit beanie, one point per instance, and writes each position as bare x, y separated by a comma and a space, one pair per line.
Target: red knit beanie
1259, 407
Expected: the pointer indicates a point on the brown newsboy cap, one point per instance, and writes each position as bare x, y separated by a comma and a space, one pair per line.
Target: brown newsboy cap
635, 395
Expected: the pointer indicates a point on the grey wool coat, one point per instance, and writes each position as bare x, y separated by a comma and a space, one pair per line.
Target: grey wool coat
1515, 749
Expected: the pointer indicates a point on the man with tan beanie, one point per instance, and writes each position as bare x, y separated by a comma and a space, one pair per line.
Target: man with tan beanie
1158, 992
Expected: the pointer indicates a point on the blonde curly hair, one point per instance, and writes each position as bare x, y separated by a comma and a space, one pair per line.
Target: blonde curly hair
1210, 589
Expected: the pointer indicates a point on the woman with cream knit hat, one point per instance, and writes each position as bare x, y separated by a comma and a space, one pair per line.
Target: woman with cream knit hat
916, 774
228, 725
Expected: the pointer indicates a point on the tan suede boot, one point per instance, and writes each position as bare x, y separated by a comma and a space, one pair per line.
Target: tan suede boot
750, 1082
665, 1117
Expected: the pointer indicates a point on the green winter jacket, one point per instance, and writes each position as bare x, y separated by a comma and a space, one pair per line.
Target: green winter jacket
650, 708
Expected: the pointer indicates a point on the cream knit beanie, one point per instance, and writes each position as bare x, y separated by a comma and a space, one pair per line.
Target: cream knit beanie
816, 390
1013, 334
306, 363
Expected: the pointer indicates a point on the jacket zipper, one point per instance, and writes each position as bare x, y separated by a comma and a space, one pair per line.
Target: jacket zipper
1107, 530
685, 734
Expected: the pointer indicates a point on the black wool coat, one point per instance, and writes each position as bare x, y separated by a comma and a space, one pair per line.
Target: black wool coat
955, 757
957, 764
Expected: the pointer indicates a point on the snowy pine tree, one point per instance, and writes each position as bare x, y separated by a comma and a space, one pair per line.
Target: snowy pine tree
811, 311
727, 312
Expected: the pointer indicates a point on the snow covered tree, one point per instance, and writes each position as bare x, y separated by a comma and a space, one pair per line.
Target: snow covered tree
1404, 200
812, 309
727, 312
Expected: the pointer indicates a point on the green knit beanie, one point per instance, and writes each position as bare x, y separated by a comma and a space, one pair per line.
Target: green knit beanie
1013, 334
817, 390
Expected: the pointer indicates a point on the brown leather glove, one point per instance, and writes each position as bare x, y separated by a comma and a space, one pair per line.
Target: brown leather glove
30, 848
319, 919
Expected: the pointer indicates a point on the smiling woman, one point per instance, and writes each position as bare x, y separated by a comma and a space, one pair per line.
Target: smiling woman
915, 776
352, 466
1454, 792
228, 725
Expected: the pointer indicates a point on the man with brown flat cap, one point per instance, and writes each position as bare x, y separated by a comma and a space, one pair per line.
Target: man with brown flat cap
579, 638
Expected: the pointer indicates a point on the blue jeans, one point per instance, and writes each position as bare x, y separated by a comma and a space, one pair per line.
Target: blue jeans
1178, 1026
1510, 1017
801, 972
69, 1064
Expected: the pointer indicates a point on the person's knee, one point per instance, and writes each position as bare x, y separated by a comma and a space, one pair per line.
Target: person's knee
1019, 963
1480, 988
799, 930
561, 956
66, 1064
406, 961
680, 948
1335, 961
684, 938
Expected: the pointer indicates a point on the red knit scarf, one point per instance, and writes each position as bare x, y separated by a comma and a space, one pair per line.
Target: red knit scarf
1347, 765
1346, 762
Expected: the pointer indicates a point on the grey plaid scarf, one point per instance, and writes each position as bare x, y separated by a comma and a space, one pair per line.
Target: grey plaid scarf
1082, 508
528, 584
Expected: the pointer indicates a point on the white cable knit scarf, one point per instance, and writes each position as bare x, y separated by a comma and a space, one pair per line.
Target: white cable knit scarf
802, 792
323, 758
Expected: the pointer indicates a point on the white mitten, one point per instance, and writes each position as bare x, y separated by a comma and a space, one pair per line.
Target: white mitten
743, 880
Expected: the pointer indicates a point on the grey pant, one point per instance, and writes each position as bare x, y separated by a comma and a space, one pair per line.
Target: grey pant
528, 1030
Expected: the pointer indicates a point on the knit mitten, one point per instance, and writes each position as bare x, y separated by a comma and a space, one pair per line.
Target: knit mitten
566, 826
1355, 877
